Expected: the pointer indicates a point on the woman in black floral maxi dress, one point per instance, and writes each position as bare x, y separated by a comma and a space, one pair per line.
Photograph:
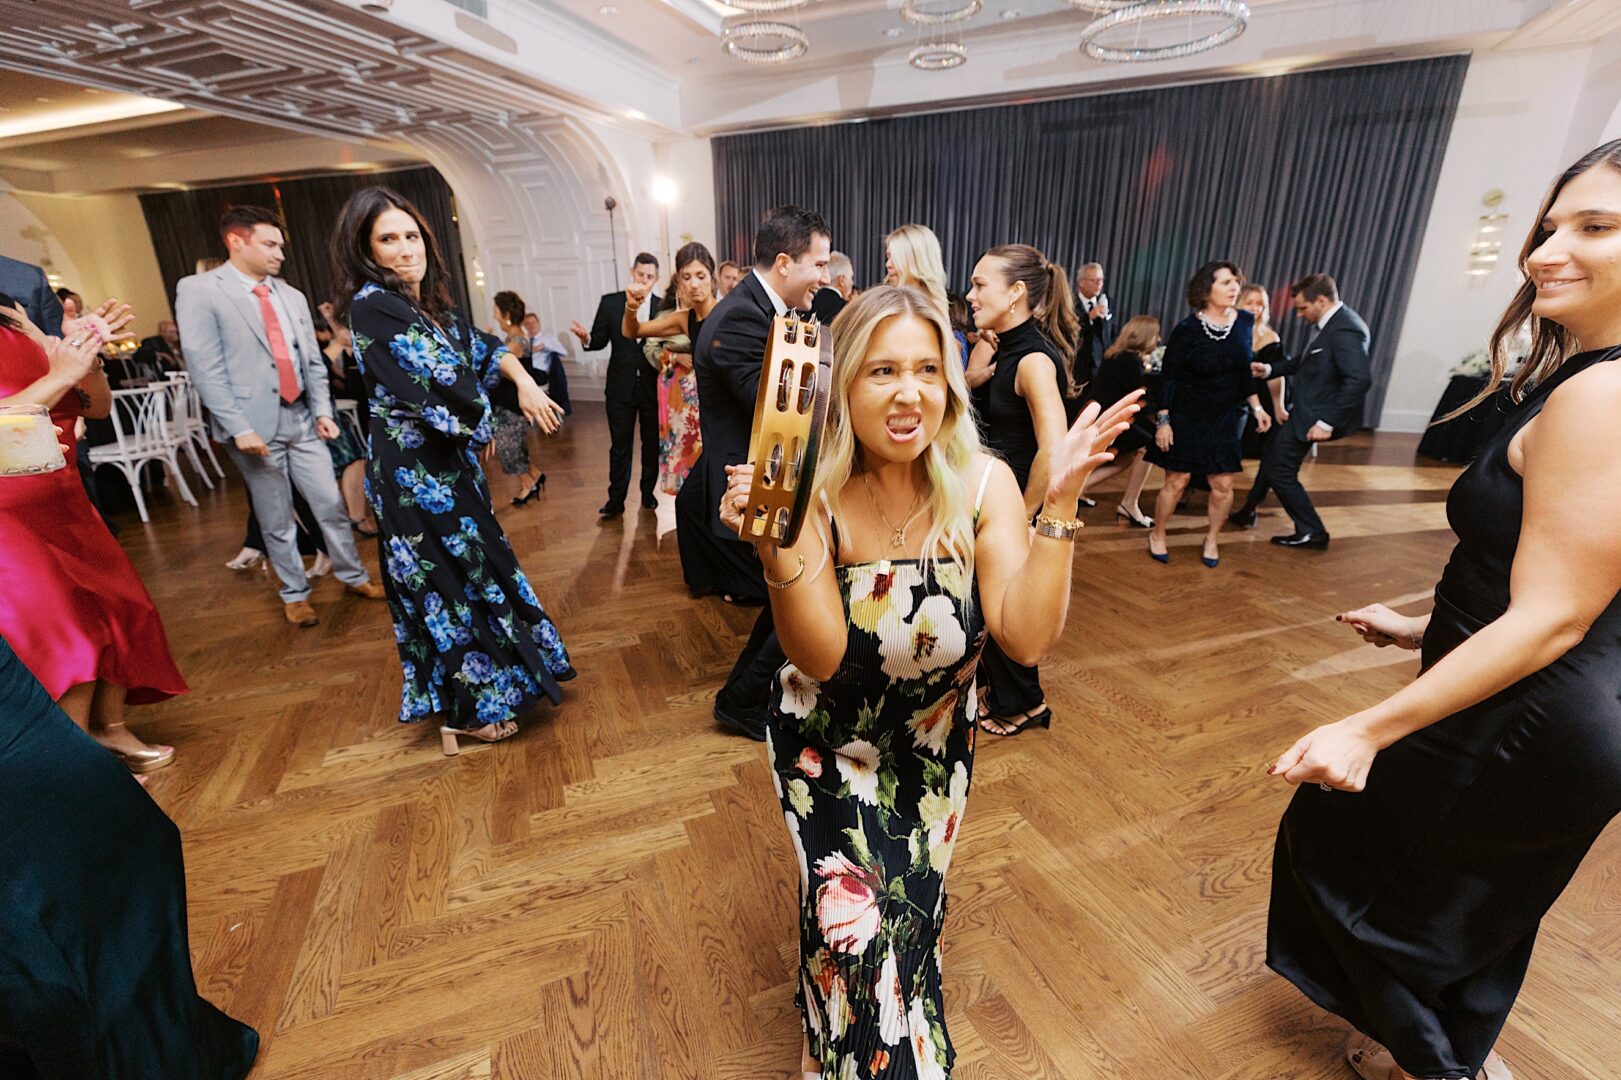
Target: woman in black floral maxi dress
475, 643
871, 728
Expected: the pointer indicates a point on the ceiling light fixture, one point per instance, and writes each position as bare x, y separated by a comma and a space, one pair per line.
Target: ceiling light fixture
1104, 7
607, 9
939, 12
765, 7
88, 113
1235, 12
938, 56
1007, 14
760, 41
894, 31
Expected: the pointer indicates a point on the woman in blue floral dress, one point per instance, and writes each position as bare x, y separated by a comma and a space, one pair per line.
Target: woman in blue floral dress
476, 646
871, 727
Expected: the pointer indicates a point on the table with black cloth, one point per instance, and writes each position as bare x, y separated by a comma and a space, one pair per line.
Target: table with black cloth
1460, 440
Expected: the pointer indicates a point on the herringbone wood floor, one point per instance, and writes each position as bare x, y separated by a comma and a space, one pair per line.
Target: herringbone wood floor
610, 896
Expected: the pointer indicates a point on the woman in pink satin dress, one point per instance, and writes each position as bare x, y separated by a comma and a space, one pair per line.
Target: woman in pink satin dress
71, 604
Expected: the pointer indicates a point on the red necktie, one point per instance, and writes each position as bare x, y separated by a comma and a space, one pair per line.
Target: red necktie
286, 380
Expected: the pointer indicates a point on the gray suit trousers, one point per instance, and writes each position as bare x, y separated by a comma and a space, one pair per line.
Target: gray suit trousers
298, 456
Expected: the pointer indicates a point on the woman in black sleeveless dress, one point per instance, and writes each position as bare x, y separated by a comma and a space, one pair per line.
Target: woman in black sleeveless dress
1205, 383
1025, 301
1411, 906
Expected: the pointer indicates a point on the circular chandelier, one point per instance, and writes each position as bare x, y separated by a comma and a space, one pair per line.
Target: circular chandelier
1103, 7
765, 7
932, 13
764, 42
938, 56
1235, 12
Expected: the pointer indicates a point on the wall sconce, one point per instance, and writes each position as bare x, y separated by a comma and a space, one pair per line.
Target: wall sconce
1488, 245
478, 275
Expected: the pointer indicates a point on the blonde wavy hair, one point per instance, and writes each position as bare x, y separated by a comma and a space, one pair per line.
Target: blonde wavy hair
915, 252
946, 459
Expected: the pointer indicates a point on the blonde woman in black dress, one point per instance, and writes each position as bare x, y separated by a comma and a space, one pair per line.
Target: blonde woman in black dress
1433, 830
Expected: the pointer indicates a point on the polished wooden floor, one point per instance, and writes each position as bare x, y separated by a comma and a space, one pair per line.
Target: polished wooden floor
610, 895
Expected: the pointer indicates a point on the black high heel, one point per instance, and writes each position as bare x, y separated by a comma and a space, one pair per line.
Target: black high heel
532, 494
1042, 719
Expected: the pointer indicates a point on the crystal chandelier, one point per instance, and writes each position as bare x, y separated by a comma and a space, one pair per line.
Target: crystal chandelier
761, 41
932, 13
1139, 15
1103, 7
938, 56
765, 7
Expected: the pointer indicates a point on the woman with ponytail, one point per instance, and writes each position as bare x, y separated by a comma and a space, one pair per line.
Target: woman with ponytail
1025, 302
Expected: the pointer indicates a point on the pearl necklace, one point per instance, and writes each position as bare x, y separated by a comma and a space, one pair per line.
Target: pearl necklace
1218, 333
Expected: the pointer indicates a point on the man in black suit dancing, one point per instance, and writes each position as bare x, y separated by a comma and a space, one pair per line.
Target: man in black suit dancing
1327, 384
631, 394
791, 251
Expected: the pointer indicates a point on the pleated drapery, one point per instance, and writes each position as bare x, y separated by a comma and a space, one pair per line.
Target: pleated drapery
1331, 171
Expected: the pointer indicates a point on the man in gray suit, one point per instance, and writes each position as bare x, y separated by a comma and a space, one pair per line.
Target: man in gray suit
251, 351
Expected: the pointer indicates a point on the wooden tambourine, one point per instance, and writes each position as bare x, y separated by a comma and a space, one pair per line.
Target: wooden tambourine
790, 414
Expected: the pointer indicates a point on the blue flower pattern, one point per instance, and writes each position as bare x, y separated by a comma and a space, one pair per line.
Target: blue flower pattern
476, 645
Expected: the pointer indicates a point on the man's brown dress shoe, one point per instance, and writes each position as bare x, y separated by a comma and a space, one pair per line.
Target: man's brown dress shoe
299, 613
369, 589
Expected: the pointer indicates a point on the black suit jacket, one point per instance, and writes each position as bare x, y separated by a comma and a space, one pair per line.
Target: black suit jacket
826, 305
1331, 377
628, 370
726, 359
1096, 337
26, 284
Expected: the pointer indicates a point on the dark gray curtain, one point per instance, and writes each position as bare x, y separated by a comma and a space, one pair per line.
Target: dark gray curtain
185, 224
1328, 171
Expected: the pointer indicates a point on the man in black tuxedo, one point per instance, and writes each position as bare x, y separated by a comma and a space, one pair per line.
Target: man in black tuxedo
1327, 384
631, 394
830, 299
790, 263
27, 284
1097, 322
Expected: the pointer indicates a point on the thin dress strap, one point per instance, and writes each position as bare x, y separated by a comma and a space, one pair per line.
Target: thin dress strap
833, 526
984, 482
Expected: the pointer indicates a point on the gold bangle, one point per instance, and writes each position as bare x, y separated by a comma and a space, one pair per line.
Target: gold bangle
791, 581
1058, 528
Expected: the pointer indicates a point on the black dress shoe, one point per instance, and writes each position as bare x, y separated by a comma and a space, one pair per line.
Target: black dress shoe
1318, 541
611, 510
1243, 517
649, 503
747, 726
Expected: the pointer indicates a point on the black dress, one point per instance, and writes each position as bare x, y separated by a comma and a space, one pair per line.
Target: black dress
95, 967
1119, 375
1010, 431
1410, 909
1205, 385
1254, 441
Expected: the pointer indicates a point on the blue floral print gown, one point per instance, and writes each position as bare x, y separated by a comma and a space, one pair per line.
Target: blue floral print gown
475, 644
872, 768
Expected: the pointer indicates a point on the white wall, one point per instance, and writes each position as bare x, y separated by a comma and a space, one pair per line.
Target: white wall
1522, 118
97, 244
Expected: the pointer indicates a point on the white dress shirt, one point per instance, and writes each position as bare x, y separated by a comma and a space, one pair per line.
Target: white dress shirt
776, 301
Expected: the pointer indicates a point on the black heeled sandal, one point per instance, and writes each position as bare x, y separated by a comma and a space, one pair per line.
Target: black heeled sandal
1042, 719
532, 494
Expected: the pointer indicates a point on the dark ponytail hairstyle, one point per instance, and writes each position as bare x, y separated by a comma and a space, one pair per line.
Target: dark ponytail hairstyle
353, 265
1051, 302
1551, 343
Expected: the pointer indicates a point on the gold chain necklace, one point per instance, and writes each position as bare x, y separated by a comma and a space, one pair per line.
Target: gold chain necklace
897, 533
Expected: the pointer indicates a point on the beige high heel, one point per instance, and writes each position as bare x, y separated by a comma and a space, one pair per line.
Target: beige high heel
489, 733
139, 762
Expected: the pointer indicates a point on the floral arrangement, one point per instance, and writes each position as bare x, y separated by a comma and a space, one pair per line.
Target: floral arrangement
1478, 364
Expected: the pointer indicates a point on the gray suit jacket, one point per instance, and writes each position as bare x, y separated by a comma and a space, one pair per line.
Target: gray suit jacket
229, 358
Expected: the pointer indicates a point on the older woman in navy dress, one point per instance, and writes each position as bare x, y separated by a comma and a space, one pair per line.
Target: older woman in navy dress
1205, 383
475, 643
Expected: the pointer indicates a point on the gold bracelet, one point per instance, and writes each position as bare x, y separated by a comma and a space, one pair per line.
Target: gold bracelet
1058, 528
791, 581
